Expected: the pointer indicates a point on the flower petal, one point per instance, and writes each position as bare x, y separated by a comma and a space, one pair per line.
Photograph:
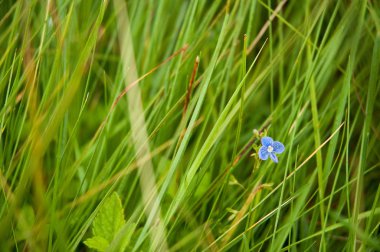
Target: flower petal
273, 157
266, 141
263, 153
278, 147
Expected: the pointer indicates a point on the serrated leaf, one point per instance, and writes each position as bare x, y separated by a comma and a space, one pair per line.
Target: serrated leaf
110, 218
123, 238
97, 242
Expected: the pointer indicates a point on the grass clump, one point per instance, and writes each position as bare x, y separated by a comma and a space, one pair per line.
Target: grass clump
152, 105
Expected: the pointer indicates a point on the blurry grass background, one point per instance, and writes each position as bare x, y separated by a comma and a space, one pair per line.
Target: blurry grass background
75, 125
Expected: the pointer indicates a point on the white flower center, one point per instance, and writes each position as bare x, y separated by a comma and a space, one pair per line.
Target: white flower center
270, 149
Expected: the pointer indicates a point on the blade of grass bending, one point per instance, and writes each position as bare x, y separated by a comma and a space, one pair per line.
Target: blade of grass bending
243, 73
218, 128
317, 142
139, 132
357, 204
186, 137
373, 80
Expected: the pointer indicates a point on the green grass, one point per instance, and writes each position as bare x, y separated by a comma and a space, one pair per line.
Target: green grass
109, 96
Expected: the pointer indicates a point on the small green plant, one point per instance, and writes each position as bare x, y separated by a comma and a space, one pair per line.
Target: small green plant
109, 229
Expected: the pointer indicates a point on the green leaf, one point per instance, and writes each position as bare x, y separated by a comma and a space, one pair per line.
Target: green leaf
98, 243
123, 238
110, 218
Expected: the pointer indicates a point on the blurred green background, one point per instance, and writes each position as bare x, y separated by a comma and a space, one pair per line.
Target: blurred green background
157, 101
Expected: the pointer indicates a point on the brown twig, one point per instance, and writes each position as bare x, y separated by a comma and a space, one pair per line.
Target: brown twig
266, 25
190, 88
183, 49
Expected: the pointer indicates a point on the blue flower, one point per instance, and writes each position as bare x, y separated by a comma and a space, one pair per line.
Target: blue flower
270, 148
